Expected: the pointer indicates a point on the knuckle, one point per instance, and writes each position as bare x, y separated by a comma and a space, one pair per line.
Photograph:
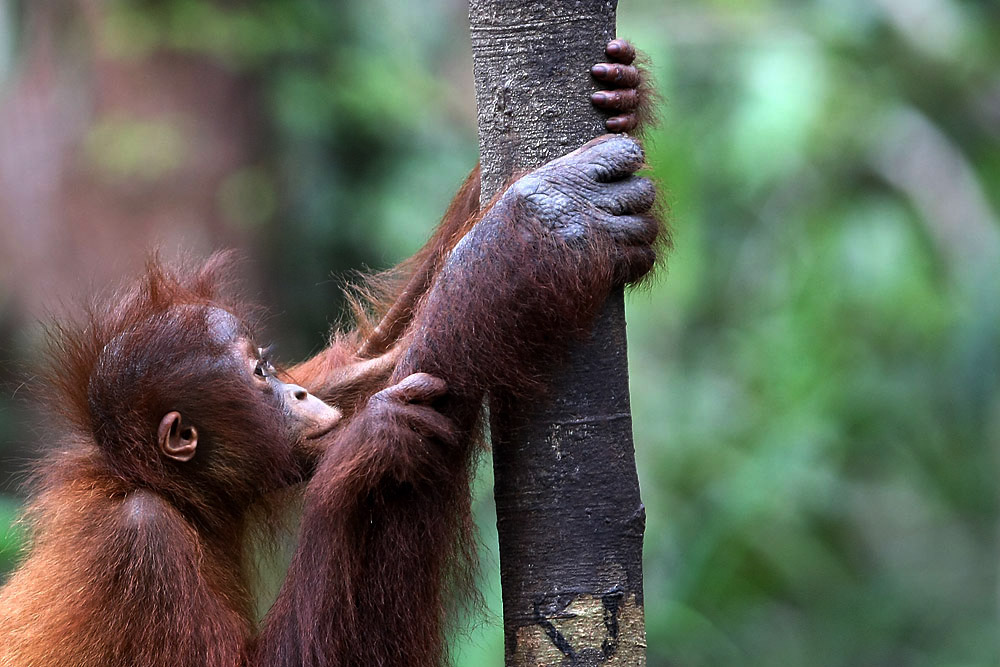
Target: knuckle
417, 383
628, 122
624, 74
383, 397
633, 149
624, 99
528, 186
625, 151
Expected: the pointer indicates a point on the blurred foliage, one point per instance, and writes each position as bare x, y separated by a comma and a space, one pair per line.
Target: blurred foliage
816, 374
145, 150
11, 534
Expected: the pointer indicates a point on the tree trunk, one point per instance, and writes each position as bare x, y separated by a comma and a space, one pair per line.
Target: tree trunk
568, 509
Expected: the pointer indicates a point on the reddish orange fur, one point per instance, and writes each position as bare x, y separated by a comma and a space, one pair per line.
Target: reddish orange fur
132, 563
390, 517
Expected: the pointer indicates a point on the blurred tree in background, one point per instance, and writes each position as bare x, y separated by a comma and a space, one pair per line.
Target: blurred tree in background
816, 376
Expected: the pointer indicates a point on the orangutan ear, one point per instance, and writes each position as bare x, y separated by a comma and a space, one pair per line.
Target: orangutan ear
178, 440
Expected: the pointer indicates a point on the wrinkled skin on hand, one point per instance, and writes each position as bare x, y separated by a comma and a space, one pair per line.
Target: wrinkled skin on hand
595, 186
589, 196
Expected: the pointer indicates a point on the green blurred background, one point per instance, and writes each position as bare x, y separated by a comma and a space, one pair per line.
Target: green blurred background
815, 375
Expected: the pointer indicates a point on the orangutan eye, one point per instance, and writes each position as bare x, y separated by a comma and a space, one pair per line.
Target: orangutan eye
264, 368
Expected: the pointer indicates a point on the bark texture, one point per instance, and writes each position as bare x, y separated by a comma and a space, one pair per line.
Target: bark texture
568, 509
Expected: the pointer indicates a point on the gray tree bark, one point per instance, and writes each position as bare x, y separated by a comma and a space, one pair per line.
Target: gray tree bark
568, 509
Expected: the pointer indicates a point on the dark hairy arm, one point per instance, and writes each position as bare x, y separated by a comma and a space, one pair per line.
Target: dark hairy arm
386, 537
386, 520
535, 268
352, 368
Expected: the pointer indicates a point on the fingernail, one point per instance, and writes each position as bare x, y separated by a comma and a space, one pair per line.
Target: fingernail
599, 97
599, 70
614, 47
